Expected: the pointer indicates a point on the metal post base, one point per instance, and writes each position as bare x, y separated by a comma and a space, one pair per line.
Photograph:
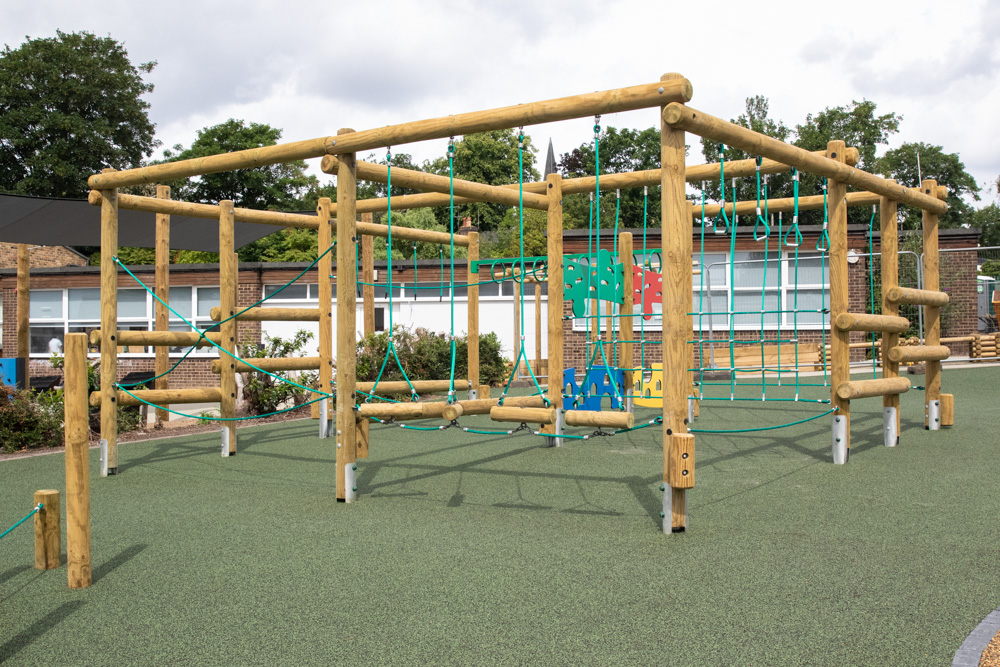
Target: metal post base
104, 457
934, 415
840, 451
473, 394
350, 484
324, 419
889, 431
667, 514
225, 442
690, 411
554, 440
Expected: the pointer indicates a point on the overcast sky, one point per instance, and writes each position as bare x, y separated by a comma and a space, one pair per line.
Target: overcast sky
311, 67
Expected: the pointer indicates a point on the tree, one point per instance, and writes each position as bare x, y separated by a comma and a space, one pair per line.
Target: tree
418, 218
947, 168
70, 106
276, 186
622, 151
988, 220
490, 158
508, 238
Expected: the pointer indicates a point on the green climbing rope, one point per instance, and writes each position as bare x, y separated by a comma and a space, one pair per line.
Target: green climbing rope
38, 507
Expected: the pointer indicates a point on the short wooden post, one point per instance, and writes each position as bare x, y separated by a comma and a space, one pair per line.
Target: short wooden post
840, 340
676, 270
889, 247
554, 274
625, 318
24, 309
227, 308
77, 432
109, 332
347, 346
162, 278
473, 307
48, 531
324, 270
932, 314
368, 277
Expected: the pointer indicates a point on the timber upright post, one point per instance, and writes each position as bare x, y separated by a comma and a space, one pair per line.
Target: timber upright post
554, 276
473, 308
109, 332
347, 347
627, 360
48, 530
888, 209
162, 278
324, 272
932, 314
840, 339
77, 433
676, 270
227, 310
24, 309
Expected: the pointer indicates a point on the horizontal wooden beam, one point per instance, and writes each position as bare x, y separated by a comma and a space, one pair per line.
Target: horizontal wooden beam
163, 396
868, 388
564, 108
208, 211
599, 418
918, 297
504, 413
429, 410
421, 386
421, 180
685, 118
160, 338
272, 365
271, 315
482, 406
867, 322
908, 353
409, 233
784, 205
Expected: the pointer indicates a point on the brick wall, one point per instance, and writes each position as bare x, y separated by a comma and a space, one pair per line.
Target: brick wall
43, 256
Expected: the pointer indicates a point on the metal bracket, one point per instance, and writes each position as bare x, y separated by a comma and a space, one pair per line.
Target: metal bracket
350, 490
104, 457
889, 431
934, 415
324, 419
690, 410
225, 442
840, 452
473, 394
560, 423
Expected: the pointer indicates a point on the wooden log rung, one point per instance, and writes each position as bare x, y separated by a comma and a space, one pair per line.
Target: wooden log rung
868, 322
503, 413
919, 353
420, 386
404, 411
917, 297
272, 365
599, 418
159, 338
163, 396
868, 388
271, 315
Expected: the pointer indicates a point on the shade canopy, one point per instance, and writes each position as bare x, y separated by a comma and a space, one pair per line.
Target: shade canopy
75, 222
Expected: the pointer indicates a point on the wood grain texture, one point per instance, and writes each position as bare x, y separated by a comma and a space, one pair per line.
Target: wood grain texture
932, 314
77, 437
874, 387
347, 346
272, 365
889, 241
271, 314
324, 270
208, 211
473, 311
869, 322
155, 338
919, 297
947, 409
599, 418
681, 461
109, 325
48, 530
163, 396
554, 254
227, 304
162, 289
504, 413
840, 339
716, 129
914, 353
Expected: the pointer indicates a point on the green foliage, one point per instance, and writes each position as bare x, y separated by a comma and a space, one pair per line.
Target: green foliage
756, 118
263, 393
129, 418
990, 267
70, 106
947, 168
622, 151
26, 423
373, 190
988, 220
490, 158
278, 186
418, 218
507, 242
856, 124
427, 356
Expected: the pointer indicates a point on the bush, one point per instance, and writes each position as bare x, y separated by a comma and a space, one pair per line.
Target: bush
129, 418
264, 393
427, 356
26, 423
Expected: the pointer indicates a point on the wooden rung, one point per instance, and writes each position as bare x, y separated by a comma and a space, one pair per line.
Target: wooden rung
428, 410
917, 297
272, 364
877, 387
503, 413
164, 338
867, 322
272, 315
599, 418
163, 396
919, 353
482, 406
420, 386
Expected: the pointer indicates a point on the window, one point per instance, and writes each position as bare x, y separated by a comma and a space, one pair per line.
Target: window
54, 313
